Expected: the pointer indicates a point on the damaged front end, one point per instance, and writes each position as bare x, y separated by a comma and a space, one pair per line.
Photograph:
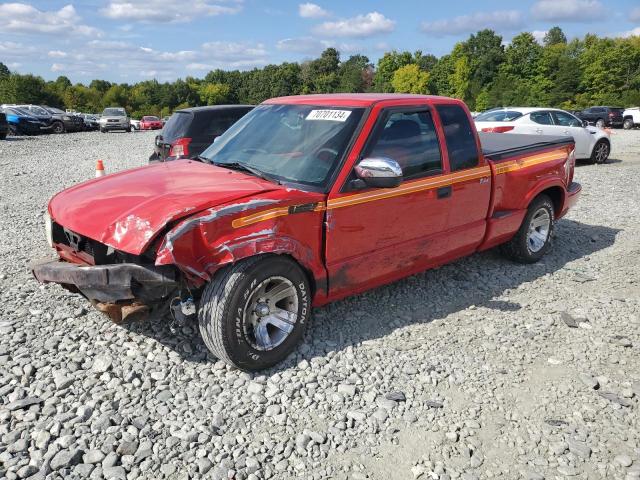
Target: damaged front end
123, 286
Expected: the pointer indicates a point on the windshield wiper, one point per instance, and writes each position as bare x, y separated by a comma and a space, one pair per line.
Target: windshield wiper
249, 169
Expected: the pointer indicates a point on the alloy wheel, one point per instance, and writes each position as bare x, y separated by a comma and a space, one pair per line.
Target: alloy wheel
539, 230
270, 313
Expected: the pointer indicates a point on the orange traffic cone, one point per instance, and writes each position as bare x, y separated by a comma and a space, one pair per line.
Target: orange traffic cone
99, 169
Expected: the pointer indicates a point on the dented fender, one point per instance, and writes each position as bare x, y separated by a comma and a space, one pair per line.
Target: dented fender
202, 244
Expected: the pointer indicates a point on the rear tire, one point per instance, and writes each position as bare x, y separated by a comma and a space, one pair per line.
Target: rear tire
243, 319
600, 152
600, 123
3, 136
628, 124
534, 238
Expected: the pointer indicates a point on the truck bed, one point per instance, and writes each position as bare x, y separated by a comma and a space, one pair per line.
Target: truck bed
501, 146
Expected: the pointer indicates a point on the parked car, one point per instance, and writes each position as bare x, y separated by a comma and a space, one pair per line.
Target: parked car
592, 144
70, 122
189, 131
150, 122
631, 118
4, 126
47, 120
135, 124
602, 116
306, 200
21, 122
114, 118
91, 122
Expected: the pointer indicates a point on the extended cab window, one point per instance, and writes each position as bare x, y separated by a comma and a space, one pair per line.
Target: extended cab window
460, 137
410, 139
543, 118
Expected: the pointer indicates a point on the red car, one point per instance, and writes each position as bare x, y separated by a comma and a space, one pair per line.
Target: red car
149, 122
303, 201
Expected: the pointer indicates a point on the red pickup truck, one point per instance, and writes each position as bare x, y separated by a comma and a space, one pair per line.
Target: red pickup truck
303, 201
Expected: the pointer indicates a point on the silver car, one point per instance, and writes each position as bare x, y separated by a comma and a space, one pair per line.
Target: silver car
114, 118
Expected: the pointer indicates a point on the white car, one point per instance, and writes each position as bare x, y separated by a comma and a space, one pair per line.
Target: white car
631, 118
592, 143
135, 124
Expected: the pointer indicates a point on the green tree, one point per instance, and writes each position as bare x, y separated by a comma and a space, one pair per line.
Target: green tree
410, 79
214, 93
554, 36
4, 71
354, 74
387, 65
321, 75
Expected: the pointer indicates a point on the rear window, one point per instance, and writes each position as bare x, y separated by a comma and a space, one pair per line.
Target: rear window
177, 126
617, 110
460, 137
214, 123
151, 119
498, 116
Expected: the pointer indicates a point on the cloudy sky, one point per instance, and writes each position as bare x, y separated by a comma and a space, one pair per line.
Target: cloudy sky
130, 40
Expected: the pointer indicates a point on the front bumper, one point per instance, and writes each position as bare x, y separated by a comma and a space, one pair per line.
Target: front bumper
115, 126
111, 286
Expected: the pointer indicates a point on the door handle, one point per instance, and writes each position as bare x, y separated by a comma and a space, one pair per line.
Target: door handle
538, 130
445, 192
566, 132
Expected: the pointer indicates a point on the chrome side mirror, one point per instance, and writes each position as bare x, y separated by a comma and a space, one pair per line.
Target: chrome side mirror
379, 172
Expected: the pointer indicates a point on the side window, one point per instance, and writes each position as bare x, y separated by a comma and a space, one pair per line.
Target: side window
460, 137
565, 120
543, 118
410, 139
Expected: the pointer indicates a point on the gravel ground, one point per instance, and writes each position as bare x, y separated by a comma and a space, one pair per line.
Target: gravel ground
480, 369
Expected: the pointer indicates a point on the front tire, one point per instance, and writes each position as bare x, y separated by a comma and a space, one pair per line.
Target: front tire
58, 127
628, 124
600, 152
254, 313
533, 239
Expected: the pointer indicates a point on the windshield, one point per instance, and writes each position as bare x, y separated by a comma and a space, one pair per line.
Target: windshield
295, 143
498, 116
56, 110
114, 112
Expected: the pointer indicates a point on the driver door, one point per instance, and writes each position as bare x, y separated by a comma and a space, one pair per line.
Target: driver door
567, 124
376, 235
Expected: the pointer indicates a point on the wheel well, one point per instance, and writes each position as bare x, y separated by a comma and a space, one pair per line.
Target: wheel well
556, 194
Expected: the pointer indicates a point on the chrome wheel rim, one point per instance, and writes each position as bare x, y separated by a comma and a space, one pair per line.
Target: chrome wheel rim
270, 313
602, 152
539, 229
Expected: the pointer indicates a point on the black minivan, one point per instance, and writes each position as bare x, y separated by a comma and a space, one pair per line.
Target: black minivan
190, 131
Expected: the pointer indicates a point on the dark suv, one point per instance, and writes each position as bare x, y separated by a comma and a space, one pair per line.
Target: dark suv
603, 116
190, 131
4, 126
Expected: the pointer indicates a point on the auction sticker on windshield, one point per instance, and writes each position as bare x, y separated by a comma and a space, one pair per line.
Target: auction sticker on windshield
335, 115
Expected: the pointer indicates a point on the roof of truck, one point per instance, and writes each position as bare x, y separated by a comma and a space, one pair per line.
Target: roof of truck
349, 99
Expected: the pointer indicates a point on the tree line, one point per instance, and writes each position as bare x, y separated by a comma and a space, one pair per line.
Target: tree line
481, 70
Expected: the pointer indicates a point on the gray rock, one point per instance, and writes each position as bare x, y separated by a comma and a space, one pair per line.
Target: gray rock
93, 456
24, 403
612, 397
396, 396
623, 460
589, 381
302, 440
204, 465
581, 449
101, 364
115, 473
347, 389
127, 448
66, 458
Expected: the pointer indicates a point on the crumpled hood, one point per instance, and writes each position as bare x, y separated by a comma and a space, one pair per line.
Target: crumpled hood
126, 210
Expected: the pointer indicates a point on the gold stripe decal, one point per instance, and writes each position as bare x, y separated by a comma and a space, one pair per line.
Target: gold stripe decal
407, 188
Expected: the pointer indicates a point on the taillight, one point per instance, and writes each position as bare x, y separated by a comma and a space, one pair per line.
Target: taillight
497, 129
569, 166
180, 148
